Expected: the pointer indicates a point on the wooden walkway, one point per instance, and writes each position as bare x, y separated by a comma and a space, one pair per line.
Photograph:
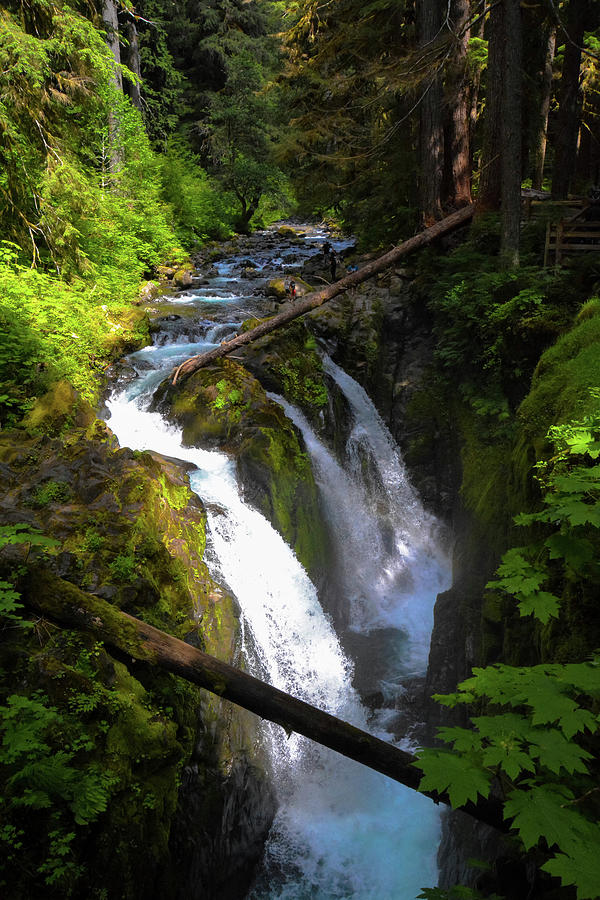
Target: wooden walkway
570, 236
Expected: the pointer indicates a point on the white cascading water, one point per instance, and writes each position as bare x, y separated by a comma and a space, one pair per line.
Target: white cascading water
400, 578
341, 831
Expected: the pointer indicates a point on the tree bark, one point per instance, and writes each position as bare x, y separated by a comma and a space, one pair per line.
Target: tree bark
317, 298
511, 132
570, 100
111, 24
66, 604
457, 156
540, 135
491, 161
431, 133
133, 62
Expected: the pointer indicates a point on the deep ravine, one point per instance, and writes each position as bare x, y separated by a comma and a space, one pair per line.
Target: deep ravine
341, 831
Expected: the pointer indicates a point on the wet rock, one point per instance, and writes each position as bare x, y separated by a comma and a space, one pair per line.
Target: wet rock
182, 278
131, 532
149, 292
276, 288
224, 406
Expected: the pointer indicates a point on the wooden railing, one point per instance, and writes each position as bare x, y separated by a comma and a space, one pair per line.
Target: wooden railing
570, 236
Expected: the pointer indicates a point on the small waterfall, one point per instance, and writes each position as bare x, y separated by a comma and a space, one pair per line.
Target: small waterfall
391, 565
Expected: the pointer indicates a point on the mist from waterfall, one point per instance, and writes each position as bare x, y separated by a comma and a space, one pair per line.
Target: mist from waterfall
342, 831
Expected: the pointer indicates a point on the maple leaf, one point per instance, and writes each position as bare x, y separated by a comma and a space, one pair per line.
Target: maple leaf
555, 752
444, 771
577, 552
463, 739
541, 604
582, 869
540, 812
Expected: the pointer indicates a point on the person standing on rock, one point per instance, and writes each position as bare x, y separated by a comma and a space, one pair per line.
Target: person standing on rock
292, 290
333, 263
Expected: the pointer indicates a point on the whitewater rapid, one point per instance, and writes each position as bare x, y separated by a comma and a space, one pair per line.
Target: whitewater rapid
341, 831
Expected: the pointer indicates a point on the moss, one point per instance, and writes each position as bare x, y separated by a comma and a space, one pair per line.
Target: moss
133, 531
562, 380
498, 482
289, 364
56, 411
224, 405
488, 488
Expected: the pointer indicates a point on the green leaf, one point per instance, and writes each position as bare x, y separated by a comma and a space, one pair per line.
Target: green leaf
582, 869
576, 552
540, 812
24, 534
555, 752
578, 480
540, 604
464, 739
577, 512
462, 779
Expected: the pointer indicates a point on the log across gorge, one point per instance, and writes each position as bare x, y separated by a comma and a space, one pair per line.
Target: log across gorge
64, 603
317, 298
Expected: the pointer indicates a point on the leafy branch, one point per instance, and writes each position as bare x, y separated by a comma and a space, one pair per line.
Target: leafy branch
533, 744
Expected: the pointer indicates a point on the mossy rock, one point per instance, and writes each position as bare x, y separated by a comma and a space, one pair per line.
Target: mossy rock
128, 330
59, 409
183, 277
562, 380
149, 291
224, 406
130, 531
287, 363
276, 288
286, 231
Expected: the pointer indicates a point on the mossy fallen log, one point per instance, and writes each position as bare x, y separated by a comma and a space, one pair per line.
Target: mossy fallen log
64, 603
317, 298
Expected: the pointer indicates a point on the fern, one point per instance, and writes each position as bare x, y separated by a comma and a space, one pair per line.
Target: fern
20, 533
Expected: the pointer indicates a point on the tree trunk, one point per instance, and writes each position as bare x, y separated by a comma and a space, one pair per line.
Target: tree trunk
491, 160
540, 135
457, 156
62, 602
133, 62
511, 132
317, 298
431, 134
569, 109
111, 24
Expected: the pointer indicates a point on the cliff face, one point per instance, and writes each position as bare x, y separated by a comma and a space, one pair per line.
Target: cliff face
179, 803
476, 471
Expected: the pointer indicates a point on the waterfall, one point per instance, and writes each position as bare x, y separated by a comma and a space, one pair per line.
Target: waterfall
342, 831
391, 547
390, 563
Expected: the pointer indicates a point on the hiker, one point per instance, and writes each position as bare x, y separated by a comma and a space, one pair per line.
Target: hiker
292, 290
332, 263
326, 248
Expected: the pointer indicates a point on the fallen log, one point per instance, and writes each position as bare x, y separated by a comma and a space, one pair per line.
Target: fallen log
317, 298
64, 603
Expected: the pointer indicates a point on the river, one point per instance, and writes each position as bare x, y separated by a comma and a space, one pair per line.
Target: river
341, 831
